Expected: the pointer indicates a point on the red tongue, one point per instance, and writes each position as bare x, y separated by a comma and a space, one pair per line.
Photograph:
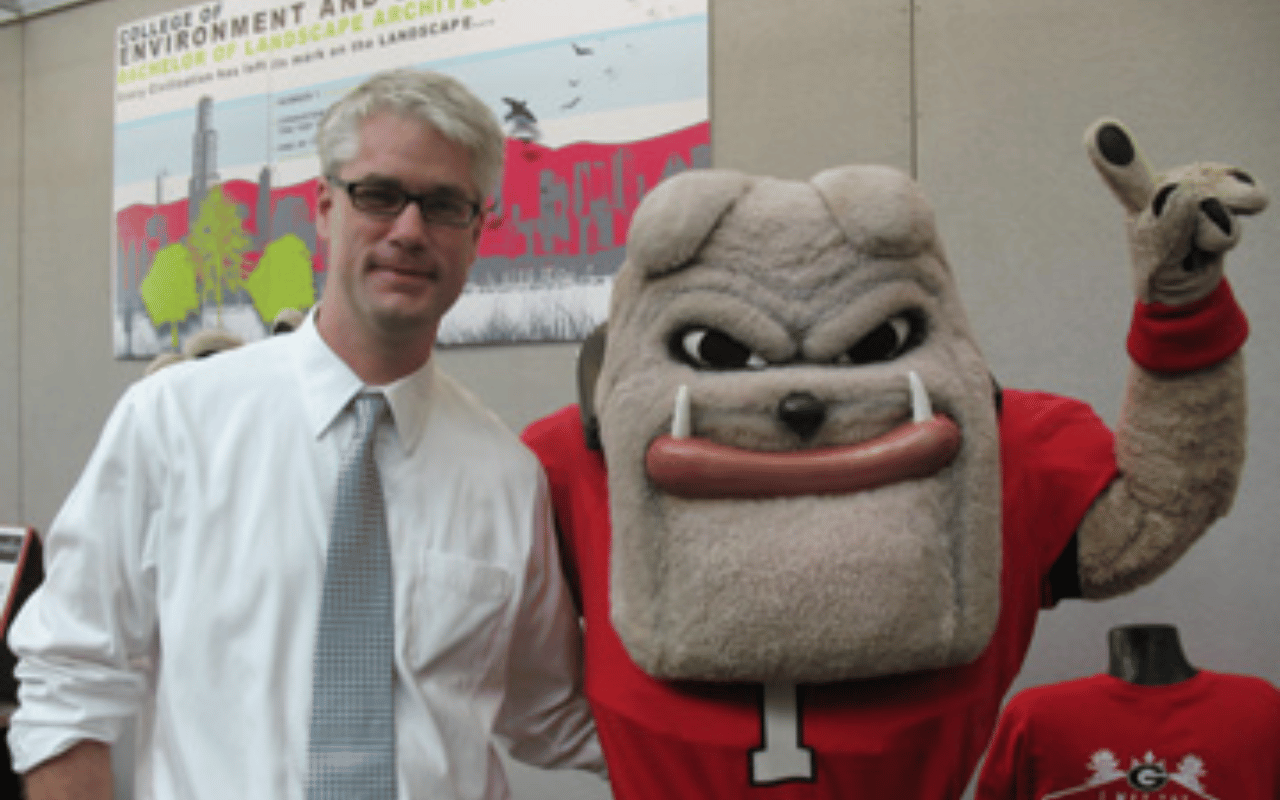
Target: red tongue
697, 468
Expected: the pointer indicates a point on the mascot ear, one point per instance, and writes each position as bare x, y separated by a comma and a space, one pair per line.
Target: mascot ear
675, 219
590, 357
880, 210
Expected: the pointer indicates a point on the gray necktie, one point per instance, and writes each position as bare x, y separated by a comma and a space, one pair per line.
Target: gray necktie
352, 749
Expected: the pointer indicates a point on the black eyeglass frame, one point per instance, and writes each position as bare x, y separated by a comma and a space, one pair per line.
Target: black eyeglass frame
407, 198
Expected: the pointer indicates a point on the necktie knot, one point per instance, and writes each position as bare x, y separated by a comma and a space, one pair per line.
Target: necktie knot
369, 409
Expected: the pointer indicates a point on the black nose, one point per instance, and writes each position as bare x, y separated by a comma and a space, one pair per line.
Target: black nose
802, 413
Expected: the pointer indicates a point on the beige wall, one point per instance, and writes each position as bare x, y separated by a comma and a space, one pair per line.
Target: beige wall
10, 188
987, 99
799, 87
68, 380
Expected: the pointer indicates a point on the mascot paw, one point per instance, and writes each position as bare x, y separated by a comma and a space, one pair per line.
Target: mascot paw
1180, 223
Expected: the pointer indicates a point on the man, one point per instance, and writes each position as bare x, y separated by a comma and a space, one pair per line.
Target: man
186, 569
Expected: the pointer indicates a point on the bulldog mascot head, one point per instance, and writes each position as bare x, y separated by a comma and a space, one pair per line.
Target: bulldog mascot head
800, 434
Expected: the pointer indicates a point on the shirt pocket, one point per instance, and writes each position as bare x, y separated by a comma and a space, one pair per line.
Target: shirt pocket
455, 618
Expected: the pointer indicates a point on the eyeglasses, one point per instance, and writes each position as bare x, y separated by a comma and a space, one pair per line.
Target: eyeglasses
383, 199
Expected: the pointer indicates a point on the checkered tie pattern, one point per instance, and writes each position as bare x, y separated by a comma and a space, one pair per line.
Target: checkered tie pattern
352, 747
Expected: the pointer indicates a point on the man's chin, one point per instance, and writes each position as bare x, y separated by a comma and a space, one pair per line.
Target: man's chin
408, 315
405, 323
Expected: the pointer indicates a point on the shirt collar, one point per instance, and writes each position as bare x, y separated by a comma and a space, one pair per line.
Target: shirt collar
329, 386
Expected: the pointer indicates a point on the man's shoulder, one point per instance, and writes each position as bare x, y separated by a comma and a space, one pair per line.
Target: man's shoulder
479, 429
255, 357
251, 374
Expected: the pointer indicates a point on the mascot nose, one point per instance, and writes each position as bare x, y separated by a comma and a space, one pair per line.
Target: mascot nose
802, 413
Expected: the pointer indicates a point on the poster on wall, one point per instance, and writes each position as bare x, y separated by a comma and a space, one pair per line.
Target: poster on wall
215, 171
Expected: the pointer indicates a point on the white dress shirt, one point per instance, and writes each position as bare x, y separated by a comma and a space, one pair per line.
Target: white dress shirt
183, 579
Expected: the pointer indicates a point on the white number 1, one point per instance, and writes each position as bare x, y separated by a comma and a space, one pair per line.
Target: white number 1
781, 757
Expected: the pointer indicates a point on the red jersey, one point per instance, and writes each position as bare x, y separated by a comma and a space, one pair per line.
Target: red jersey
1211, 737
909, 737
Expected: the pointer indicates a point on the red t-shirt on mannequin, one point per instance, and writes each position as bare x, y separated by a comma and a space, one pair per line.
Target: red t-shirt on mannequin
1155, 728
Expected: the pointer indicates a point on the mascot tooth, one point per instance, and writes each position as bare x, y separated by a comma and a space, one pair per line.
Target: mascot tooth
921, 408
681, 427
810, 534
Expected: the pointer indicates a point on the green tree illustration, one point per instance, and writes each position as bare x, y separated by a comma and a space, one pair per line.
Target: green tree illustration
169, 290
283, 278
218, 241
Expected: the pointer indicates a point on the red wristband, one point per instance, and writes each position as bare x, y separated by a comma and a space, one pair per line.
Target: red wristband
1166, 338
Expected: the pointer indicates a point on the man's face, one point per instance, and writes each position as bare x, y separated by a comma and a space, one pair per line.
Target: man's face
392, 278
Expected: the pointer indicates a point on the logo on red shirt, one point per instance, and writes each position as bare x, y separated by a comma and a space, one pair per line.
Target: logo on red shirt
1146, 779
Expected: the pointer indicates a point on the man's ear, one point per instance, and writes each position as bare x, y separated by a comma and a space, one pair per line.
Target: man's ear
324, 207
590, 358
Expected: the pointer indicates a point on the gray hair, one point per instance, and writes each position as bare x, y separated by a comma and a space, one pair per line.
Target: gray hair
430, 97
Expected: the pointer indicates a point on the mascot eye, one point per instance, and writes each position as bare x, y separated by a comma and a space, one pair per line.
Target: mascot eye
890, 339
707, 348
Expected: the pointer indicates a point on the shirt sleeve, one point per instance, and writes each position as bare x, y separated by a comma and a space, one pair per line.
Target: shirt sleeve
544, 719
1058, 456
84, 637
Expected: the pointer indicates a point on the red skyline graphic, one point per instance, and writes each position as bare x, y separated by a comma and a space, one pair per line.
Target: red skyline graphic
571, 201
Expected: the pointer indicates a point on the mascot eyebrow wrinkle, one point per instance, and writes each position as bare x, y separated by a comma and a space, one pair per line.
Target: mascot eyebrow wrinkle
809, 532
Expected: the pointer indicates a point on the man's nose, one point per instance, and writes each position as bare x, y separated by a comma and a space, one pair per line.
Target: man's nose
408, 228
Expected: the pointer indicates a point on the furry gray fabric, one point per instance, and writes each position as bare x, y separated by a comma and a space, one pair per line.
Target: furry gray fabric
1180, 442
1180, 224
793, 312
1180, 445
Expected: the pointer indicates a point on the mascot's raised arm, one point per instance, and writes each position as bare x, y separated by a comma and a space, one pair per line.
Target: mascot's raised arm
1180, 440
809, 531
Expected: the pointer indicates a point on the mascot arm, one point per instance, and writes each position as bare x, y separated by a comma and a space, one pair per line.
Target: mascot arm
1180, 440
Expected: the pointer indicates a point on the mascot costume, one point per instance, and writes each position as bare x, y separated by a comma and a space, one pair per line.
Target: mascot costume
809, 532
